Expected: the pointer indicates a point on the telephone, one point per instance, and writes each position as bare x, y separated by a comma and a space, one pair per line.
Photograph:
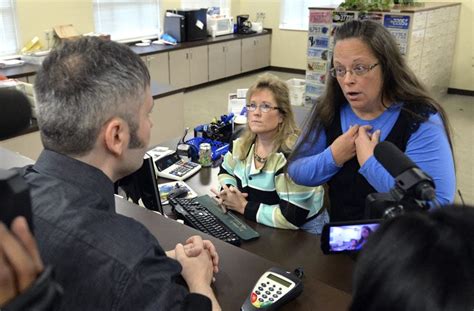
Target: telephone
273, 289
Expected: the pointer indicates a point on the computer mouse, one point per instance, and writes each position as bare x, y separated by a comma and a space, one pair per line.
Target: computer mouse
180, 192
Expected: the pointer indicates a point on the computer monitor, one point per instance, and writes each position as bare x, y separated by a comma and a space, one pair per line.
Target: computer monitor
142, 184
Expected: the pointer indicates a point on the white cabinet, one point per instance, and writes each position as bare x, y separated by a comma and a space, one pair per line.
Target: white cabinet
158, 65
224, 59
255, 53
188, 67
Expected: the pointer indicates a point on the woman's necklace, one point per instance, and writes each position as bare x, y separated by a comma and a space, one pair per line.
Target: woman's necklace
257, 157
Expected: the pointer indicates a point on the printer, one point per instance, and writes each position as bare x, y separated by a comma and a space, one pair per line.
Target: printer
186, 25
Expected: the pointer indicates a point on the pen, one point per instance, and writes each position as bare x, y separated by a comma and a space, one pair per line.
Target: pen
224, 210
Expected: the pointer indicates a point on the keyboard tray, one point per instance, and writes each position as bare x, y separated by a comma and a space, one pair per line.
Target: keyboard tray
241, 229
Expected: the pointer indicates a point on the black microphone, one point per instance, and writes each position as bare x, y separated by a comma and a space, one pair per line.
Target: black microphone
409, 178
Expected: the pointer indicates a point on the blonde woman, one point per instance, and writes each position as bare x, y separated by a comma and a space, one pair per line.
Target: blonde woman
253, 175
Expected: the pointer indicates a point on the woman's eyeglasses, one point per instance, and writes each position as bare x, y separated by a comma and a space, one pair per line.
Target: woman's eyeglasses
358, 70
265, 107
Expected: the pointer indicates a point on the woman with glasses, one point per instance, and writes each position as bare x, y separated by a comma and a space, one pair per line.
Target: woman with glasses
253, 175
371, 95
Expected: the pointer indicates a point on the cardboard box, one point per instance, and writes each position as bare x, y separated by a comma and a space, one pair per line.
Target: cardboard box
63, 32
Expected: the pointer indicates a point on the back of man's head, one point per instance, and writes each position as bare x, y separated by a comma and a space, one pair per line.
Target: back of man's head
418, 261
82, 84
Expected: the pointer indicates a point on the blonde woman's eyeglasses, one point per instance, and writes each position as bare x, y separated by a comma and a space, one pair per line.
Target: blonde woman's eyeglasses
265, 107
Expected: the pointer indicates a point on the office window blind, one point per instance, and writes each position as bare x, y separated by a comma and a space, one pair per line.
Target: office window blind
224, 5
294, 14
8, 35
127, 20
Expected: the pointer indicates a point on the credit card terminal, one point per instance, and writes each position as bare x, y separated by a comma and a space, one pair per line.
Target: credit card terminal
273, 289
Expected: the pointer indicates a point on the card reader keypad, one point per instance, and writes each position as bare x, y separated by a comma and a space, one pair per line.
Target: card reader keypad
265, 293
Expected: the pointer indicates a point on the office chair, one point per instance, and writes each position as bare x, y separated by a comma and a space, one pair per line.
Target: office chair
15, 112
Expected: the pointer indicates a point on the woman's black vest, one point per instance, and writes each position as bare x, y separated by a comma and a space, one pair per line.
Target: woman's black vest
348, 189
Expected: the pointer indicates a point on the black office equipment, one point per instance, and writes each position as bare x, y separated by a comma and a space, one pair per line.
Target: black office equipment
180, 192
273, 289
197, 216
243, 231
244, 26
195, 23
142, 185
204, 214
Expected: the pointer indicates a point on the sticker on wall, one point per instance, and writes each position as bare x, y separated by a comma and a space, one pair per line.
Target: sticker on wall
376, 17
401, 37
320, 17
396, 21
318, 53
319, 30
315, 77
318, 42
342, 17
318, 66
398, 26
316, 89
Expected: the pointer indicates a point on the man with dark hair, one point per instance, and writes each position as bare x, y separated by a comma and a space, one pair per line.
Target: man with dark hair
94, 101
418, 261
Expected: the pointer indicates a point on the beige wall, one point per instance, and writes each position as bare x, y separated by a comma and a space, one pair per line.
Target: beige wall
36, 16
288, 47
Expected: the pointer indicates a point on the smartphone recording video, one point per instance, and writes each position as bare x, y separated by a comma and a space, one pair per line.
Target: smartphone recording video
344, 237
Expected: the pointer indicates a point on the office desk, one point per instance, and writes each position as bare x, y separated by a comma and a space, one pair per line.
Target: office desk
288, 248
239, 269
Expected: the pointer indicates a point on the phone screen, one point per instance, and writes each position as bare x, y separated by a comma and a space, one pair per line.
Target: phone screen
347, 236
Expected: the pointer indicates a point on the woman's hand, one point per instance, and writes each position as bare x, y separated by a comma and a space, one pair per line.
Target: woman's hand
343, 148
365, 144
232, 198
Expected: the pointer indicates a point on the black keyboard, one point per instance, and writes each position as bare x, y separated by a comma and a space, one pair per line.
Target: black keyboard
197, 216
